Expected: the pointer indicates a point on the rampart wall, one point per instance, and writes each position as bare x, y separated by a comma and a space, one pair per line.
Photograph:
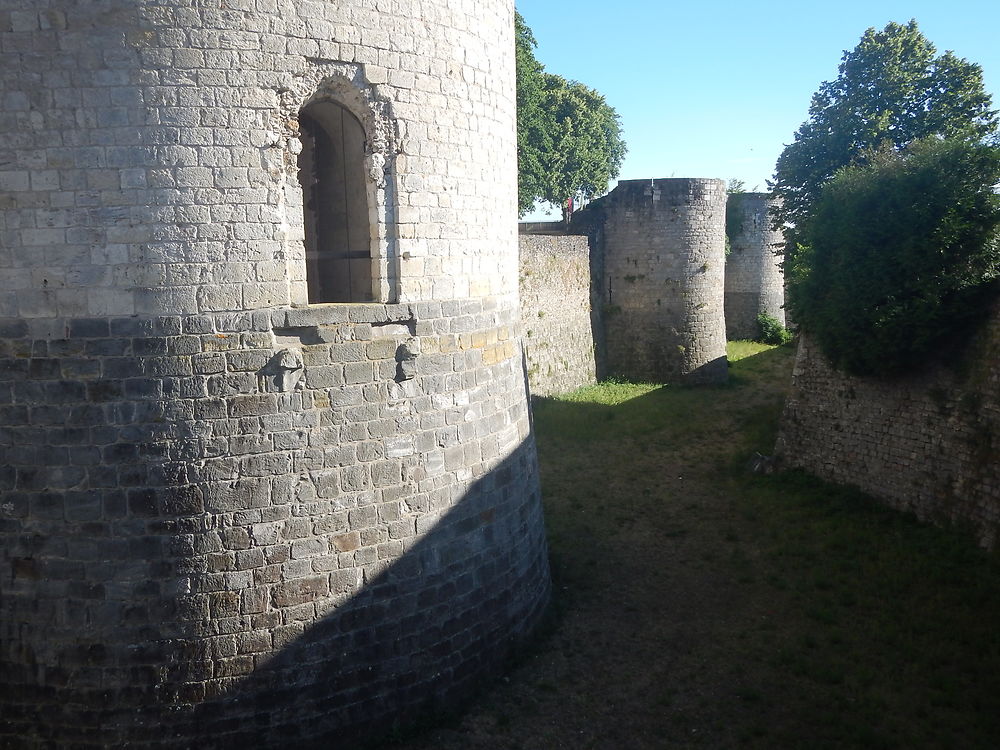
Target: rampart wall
927, 443
557, 316
653, 285
754, 280
229, 518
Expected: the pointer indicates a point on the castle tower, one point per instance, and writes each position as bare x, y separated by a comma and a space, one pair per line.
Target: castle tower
755, 283
266, 474
664, 254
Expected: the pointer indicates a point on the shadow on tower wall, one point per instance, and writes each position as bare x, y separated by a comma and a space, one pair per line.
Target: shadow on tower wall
413, 640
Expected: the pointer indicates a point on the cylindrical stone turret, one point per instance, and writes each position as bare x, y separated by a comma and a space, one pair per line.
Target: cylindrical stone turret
755, 283
664, 256
266, 472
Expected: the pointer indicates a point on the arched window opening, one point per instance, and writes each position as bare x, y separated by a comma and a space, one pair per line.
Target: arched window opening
335, 204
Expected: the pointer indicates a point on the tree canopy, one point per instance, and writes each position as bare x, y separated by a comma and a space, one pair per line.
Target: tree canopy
568, 137
891, 90
898, 253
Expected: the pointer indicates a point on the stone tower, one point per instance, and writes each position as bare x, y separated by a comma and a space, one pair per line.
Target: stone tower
755, 283
267, 475
663, 245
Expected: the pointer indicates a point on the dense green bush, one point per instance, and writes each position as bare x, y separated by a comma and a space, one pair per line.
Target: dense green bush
772, 331
899, 254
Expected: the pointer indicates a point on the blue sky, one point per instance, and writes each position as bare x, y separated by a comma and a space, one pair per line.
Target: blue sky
716, 89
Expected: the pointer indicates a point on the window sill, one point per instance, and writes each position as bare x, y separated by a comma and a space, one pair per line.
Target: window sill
332, 313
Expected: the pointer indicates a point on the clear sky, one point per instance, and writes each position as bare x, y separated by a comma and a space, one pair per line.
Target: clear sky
716, 89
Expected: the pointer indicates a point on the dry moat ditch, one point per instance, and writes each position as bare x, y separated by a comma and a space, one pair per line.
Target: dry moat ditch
697, 604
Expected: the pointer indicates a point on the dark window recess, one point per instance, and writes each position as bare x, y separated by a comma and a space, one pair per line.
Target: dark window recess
335, 205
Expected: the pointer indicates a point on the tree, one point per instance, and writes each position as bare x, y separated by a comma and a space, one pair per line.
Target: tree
532, 132
891, 90
898, 255
568, 137
585, 149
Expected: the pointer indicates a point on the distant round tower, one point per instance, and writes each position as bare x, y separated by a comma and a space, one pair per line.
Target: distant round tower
755, 283
267, 475
664, 253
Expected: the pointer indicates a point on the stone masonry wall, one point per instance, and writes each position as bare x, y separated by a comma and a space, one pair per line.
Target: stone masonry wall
556, 314
755, 283
663, 245
928, 443
229, 519
149, 148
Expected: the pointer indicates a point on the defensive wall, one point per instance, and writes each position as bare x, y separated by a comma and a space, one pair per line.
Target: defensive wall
241, 504
928, 443
755, 283
658, 257
656, 295
558, 317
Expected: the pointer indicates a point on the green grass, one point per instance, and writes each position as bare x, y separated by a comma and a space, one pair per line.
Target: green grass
737, 351
862, 627
891, 621
611, 392
698, 605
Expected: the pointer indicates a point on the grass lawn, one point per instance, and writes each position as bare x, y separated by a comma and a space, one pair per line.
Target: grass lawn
699, 605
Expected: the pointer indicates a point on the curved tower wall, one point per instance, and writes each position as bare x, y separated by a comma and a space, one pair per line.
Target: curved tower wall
755, 283
664, 257
227, 516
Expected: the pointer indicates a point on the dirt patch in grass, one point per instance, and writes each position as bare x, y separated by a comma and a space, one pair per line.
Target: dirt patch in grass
699, 605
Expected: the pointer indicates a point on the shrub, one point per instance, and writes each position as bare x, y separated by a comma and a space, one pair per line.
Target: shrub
772, 331
899, 255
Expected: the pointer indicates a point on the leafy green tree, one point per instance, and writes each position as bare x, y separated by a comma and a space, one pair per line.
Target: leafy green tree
890, 91
584, 133
533, 139
568, 137
898, 255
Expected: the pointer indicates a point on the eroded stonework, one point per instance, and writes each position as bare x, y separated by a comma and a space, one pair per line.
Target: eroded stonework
227, 517
926, 442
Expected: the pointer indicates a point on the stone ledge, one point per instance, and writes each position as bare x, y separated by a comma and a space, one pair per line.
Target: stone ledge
332, 313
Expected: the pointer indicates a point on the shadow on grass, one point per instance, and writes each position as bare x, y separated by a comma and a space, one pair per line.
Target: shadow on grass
888, 633
702, 606
815, 616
